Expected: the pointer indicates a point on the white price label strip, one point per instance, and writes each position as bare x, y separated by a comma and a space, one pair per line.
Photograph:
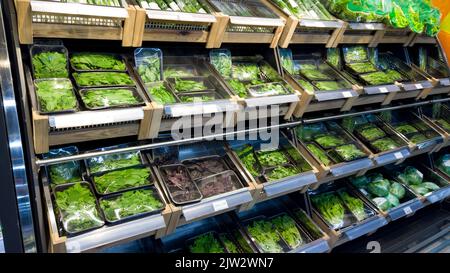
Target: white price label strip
398, 155
419, 86
383, 90
220, 205
347, 94
407, 210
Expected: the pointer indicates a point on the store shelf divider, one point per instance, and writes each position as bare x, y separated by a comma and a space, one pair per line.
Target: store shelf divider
218, 30
139, 25
24, 21
40, 132
365, 228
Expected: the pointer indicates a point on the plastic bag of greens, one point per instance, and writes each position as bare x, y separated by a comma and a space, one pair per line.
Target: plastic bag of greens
309, 131
149, 65
65, 172
221, 60
397, 189
382, 203
412, 11
287, 60
353, 54
333, 57
360, 181
379, 188
412, 176
444, 164
432, 26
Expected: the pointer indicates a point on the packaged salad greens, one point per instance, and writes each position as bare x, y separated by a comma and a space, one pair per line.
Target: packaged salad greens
67, 172
122, 179
112, 162
55, 95
97, 61
101, 98
443, 164
221, 60
49, 61
148, 62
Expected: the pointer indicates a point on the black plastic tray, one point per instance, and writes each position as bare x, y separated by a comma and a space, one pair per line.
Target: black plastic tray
164, 178
39, 108
117, 56
132, 89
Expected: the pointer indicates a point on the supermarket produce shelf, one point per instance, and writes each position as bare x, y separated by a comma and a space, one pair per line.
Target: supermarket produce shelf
74, 20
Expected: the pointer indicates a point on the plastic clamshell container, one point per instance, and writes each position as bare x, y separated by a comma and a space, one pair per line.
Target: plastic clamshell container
194, 165
100, 160
182, 70
40, 48
149, 181
72, 167
133, 90
97, 222
151, 190
118, 57
257, 91
208, 86
57, 84
282, 245
140, 54
132, 84
191, 186
214, 234
305, 239
212, 180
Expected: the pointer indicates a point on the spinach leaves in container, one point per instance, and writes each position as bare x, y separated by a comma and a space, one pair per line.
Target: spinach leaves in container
131, 203
113, 162
77, 207
55, 95
123, 179
110, 97
160, 93
99, 79
64, 172
331, 208
49, 62
97, 61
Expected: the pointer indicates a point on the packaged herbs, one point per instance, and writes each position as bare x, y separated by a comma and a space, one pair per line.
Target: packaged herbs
329, 85
221, 60
188, 85
281, 172
329, 141
123, 179
98, 79
100, 98
349, 152
287, 228
245, 71
50, 64
267, 89
148, 63
377, 78
161, 94
314, 74
206, 243
78, 208
331, 208
272, 158
384, 144
372, 133
406, 129
55, 95
96, 61
197, 98
265, 236
355, 54
113, 162
130, 203
321, 155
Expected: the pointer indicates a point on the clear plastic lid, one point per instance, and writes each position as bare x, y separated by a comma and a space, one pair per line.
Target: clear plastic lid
149, 64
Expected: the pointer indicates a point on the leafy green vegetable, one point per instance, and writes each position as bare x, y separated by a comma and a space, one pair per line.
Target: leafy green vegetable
222, 62
319, 154
96, 61
282, 172
418, 138
112, 3
239, 88
410, 176
206, 243
229, 245
245, 71
397, 190
272, 158
443, 164
248, 158
355, 54
305, 85
379, 188
175, 72
288, 230
360, 181
308, 223
349, 152
189, 85
431, 186
444, 124
382, 203
372, 133
364, 67
130, 203
150, 69
161, 95
202, 98
55, 95
94, 98
50, 65
329, 85
65, 173
269, 72
267, 89
113, 162
265, 236
102, 79
393, 200
329, 141
419, 189
380, 77
115, 181
384, 144
355, 205
331, 208
406, 129
314, 74
78, 208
